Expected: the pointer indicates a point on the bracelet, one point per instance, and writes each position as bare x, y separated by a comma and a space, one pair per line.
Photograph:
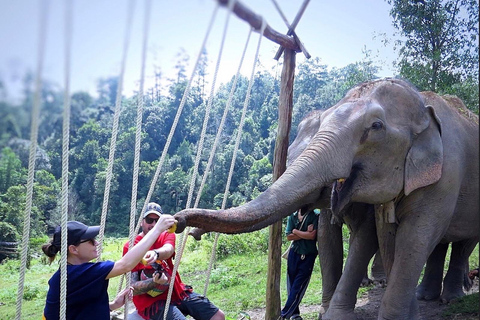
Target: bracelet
156, 252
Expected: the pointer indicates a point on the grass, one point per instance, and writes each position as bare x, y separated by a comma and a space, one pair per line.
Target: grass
467, 305
237, 281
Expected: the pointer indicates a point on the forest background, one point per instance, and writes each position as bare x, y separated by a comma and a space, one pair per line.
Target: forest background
437, 50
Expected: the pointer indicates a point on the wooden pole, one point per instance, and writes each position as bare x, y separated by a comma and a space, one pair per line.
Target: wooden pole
255, 21
285, 107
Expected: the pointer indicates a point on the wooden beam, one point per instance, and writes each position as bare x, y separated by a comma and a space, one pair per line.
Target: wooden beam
291, 28
255, 21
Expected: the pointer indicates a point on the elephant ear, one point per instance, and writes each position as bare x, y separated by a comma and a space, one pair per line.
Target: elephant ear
424, 162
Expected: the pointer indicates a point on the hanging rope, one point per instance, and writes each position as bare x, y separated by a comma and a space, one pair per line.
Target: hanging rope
138, 135
234, 156
116, 116
183, 239
217, 139
65, 147
222, 124
177, 117
33, 151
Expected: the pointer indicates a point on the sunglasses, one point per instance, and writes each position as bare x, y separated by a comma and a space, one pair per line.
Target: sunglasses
92, 241
150, 220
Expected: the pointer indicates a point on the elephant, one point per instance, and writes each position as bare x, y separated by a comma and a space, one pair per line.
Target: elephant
362, 241
329, 232
361, 222
412, 155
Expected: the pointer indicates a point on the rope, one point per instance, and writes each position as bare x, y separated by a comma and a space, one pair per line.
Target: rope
31, 159
177, 117
234, 156
65, 147
199, 153
217, 139
138, 135
113, 141
222, 123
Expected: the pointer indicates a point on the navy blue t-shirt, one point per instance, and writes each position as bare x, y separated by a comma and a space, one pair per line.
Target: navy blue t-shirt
87, 295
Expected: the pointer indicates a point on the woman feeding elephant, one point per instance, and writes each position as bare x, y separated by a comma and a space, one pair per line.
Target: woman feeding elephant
388, 145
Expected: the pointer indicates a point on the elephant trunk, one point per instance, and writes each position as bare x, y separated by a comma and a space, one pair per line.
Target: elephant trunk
302, 183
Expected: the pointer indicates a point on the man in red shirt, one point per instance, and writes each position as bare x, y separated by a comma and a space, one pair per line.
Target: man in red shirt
150, 288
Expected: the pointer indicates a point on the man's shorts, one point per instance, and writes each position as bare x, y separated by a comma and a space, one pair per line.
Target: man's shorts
197, 306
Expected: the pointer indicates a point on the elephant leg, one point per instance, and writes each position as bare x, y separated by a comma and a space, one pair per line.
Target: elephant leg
386, 233
330, 253
363, 246
457, 270
416, 237
378, 272
366, 281
431, 285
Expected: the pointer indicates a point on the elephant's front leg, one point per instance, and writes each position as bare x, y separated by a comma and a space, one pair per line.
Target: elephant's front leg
363, 246
330, 253
416, 237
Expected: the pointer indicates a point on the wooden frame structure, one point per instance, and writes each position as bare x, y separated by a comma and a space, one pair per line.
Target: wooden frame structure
289, 45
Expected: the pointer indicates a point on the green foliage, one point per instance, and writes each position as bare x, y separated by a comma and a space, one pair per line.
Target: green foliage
31, 292
11, 171
439, 46
8, 232
242, 243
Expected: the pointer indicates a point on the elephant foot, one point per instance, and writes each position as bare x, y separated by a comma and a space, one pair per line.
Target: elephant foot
336, 314
379, 279
366, 282
380, 283
388, 311
448, 295
430, 292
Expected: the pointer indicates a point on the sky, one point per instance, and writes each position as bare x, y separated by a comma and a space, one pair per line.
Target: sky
335, 31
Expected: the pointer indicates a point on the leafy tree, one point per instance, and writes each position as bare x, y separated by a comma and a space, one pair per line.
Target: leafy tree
311, 76
11, 171
441, 42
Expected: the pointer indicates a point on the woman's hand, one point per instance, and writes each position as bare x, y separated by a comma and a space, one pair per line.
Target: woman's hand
165, 222
149, 257
121, 298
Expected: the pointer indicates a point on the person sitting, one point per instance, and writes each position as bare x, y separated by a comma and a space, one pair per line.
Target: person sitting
150, 281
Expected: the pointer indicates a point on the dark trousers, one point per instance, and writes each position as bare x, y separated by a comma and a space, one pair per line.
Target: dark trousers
299, 271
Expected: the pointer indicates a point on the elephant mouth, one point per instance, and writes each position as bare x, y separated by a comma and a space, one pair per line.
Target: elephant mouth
342, 189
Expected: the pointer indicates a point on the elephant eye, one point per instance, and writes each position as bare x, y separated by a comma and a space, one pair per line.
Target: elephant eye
377, 125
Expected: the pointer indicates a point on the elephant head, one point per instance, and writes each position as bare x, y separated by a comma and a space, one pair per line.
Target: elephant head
378, 142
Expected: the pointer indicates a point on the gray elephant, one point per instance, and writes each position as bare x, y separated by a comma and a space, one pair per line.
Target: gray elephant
363, 237
359, 219
413, 155
363, 241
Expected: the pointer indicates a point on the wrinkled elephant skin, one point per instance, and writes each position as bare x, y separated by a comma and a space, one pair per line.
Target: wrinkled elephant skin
383, 142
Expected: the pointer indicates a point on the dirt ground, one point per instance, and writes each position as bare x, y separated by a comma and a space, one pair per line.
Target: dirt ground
367, 307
